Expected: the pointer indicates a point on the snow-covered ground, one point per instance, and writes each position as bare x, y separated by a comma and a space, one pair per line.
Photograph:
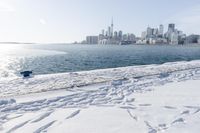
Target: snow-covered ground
142, 99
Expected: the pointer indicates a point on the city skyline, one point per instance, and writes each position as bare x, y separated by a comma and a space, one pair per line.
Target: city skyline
51, 21
156, 35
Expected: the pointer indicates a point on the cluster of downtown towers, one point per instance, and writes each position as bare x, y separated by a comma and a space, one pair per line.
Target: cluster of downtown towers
150, 36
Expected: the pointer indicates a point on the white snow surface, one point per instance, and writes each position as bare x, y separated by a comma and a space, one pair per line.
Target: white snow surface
142, 99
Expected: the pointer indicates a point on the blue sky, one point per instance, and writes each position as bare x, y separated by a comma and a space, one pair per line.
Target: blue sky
70, 20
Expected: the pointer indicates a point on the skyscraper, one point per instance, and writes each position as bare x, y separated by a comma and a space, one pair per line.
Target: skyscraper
174, 38
120, 34
112, 28
161, 30
155, 31
171, 28
149, 32
109, 31
144, 34
115, 35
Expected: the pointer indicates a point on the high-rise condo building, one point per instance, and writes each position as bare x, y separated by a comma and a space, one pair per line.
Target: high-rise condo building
143, 35
171, 28
112, 28
115, 35
109, 31
161, 30
149, 32
120, 34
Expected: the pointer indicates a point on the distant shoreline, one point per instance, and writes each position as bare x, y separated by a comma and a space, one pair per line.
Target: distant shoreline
17, 43
190, 44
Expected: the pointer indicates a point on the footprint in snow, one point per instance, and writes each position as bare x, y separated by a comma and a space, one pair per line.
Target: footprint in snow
185, 112
145, 105
43, 128
130, 100
162, 127
170, 107
192, 107
134, 117
151, 129
17, 126
73, 114
14, 117
128, 107
43, 116
179, 120
197, 111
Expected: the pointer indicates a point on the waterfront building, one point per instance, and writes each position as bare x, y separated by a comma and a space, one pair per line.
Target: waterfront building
174, 38
143, 35
181, 37
161, 30
192, 39
168, 34
83, 42
157, 36
149, 32
92, 39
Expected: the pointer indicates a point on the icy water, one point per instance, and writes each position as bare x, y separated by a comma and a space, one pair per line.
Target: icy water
57, 58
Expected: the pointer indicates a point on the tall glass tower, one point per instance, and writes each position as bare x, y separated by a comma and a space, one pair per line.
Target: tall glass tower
112, 28
161, 29
171, 28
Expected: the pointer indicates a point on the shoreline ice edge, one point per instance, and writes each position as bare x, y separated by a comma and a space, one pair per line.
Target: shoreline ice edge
50, 82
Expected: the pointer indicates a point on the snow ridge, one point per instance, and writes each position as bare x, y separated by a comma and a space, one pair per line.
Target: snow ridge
43, 83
